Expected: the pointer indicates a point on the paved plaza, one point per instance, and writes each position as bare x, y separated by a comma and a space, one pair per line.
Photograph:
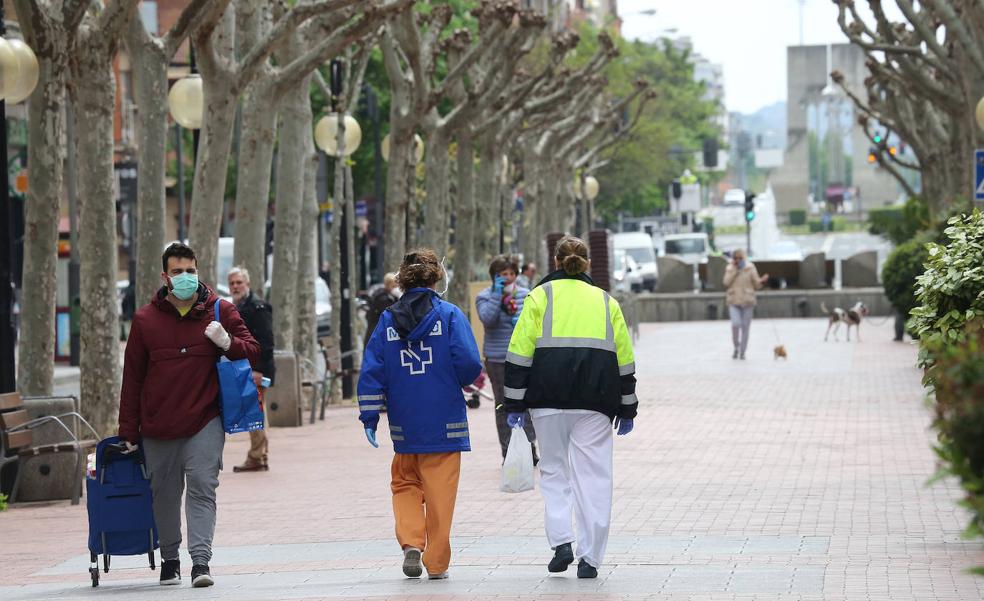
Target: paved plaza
762, 479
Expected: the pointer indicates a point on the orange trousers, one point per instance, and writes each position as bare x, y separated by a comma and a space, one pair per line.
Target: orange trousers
425, 487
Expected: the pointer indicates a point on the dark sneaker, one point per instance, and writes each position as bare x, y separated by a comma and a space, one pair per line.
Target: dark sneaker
563, 557
200, 576
411, 563
586, 570
170, 572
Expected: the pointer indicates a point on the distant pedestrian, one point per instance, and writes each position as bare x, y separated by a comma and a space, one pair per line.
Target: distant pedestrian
570, 363
742, 279
380, 298
169, 404
499, 307
527, 276
258, 316
418, 358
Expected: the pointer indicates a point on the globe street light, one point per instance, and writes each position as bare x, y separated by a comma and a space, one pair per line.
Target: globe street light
9, 68
418, 147
979, 113
186, 101
326, 134
27, 74
591, 188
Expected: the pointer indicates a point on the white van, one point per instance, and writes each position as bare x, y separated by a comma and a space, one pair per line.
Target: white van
692, 248
640, 247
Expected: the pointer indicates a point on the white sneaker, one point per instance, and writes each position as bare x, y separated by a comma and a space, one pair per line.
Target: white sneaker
411, 563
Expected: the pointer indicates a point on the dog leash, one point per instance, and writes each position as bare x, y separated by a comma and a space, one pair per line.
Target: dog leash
883, 321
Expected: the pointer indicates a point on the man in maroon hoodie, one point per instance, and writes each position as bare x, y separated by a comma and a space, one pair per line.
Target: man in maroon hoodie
169, 404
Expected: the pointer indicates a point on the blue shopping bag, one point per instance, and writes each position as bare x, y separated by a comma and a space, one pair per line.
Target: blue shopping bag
240, 402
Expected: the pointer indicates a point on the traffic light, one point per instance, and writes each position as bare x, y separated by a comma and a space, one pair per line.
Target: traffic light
892, 150
677, 189
749, 206
710, 152
878, 138
872, 157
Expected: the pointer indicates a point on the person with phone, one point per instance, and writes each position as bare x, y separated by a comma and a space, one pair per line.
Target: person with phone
742, 280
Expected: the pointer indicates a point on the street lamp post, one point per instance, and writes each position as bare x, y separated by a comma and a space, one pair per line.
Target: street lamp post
20, 76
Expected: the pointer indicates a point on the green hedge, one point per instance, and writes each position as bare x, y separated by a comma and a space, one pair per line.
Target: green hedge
837, 224
899, 223
797, 217
903, 265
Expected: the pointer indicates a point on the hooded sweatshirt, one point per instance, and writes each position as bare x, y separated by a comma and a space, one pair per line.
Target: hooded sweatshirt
419, 357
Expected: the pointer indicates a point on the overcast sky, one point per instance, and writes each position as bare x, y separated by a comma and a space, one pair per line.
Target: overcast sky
748, 37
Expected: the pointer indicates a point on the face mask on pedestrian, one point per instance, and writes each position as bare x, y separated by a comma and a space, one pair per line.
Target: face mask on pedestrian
184, 285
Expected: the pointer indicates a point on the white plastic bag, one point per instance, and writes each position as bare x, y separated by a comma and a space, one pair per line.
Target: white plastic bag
517, 471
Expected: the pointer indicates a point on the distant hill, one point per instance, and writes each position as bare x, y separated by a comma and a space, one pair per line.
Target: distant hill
769, 122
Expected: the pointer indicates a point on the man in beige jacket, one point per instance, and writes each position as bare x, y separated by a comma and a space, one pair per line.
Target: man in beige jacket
742, 280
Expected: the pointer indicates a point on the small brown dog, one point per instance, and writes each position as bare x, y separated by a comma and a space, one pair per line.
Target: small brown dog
779, 351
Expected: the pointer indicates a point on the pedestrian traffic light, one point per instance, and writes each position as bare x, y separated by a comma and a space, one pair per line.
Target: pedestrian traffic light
872, 157
749, 206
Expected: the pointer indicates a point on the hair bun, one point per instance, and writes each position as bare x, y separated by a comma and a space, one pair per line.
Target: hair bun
574, 264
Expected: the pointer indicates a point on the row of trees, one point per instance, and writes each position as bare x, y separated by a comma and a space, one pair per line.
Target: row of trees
926, 76
500, 101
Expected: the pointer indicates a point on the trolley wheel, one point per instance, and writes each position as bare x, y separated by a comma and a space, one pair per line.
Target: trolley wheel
475, 401
94, 573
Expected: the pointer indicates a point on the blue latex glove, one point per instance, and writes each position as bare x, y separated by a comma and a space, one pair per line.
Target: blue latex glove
498, 284
624, 426
371, 436
515, 319
516, 420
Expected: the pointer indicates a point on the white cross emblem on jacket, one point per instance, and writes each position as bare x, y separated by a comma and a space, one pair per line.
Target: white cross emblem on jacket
416, 360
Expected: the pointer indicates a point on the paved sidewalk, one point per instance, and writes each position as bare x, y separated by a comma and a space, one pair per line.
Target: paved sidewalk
800, 479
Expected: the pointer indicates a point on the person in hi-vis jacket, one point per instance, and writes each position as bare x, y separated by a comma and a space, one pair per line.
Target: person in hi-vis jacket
421, 353
570, 364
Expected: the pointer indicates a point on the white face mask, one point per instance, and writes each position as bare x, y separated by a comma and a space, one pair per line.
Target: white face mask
447, 278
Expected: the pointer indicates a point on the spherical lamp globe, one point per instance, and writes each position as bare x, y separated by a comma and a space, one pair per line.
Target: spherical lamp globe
186, 100
27, 78
9, 68
418, 147
979, 113
591, 188
326, 134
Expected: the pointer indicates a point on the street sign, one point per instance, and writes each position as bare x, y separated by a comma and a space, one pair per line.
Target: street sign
979, 175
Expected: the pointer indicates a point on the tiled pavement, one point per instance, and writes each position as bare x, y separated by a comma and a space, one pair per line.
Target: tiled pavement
800, 479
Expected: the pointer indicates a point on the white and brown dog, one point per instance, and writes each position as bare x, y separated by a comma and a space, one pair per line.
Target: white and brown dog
851, 317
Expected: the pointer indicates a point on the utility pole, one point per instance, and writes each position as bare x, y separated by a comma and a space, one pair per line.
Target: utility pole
8, 335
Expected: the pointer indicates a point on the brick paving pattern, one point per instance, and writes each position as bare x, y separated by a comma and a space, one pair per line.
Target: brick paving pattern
776, 480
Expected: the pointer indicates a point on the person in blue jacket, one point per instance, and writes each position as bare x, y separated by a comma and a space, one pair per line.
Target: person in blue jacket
420, 355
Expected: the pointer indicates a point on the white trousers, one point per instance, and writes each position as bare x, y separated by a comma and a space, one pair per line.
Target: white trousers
576, 479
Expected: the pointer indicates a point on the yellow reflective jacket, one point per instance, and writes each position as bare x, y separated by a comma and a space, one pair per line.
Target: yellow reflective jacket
571, 350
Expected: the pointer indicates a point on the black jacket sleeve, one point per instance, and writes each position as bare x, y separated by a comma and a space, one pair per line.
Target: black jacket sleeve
258, 316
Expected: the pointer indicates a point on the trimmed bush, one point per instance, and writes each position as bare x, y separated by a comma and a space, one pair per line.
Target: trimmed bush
959, 419
951, 290
797, 217
899, 223
837, 224
903, 265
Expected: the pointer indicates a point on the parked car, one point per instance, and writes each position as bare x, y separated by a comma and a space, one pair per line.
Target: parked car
734, 197
640, 247
627, 276
692, 248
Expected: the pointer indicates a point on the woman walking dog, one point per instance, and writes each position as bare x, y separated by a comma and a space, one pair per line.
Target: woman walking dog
419, 357
570, 363
742, 280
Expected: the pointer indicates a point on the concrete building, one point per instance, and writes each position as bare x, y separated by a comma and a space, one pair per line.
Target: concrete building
811, 101
601, 13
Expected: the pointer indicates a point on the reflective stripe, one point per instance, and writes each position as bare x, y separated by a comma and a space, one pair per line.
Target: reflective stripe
514, 393
547, 330
372, 397
595, 343
396, 428
376, 407
629, 399
457, 425
519, 360
625, 370
396, 437
609, 328
458, 434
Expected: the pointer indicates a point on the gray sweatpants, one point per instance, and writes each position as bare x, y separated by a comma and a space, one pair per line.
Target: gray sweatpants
741, 322
172, 463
